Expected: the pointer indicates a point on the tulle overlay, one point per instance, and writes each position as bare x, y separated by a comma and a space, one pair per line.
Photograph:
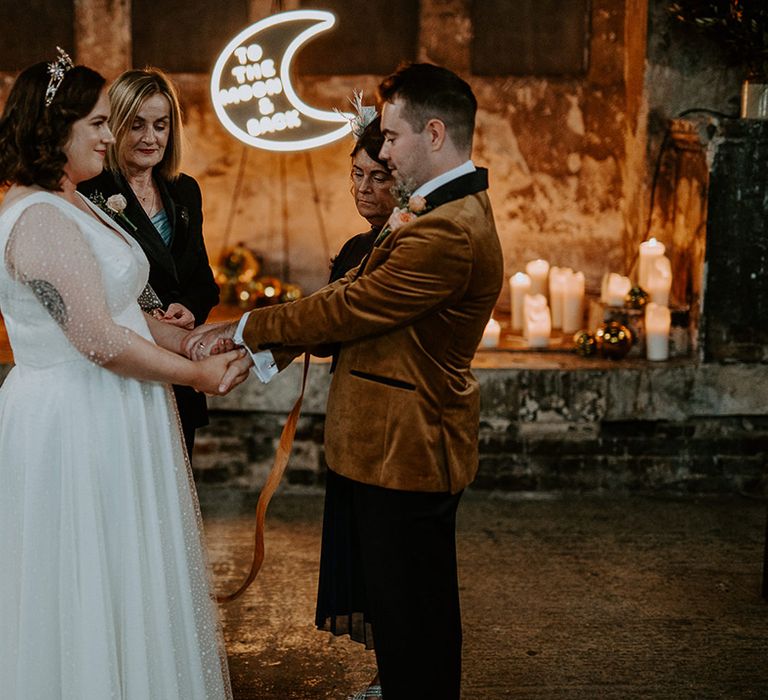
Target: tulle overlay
104, 586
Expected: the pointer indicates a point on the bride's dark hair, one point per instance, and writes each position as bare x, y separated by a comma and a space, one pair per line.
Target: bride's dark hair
32, 135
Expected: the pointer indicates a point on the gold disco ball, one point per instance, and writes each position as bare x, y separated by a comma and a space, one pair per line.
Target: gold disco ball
636, 298
614, 340
227, 290
585, 343
291, 292
239, 264
269, 290
246, 294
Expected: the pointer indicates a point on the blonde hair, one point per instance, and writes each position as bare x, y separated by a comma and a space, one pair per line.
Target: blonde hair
126, 96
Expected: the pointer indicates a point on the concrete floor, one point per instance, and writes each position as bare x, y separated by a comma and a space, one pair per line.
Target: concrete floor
562, 598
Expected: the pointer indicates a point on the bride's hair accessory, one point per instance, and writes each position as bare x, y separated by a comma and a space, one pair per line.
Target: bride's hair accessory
57, 70
364, 114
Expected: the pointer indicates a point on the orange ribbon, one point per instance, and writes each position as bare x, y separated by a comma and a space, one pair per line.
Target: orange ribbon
270, 486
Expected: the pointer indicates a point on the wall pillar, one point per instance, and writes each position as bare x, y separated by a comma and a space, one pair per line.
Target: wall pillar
94, 21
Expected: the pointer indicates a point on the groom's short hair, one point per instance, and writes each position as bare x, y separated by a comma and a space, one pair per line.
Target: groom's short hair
429, 92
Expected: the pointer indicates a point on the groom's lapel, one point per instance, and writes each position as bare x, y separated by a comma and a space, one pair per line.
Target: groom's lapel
462, 186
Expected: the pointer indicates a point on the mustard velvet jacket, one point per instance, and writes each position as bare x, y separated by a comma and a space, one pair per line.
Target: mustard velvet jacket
403, 407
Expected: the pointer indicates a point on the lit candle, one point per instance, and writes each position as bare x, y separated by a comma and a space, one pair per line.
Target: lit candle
519, 286
649, 251
573, 301
615, 289
538, 270
659, 280
556, 289
538, 324
657, 324
491, 334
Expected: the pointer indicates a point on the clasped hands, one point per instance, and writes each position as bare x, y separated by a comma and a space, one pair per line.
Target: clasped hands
216, 339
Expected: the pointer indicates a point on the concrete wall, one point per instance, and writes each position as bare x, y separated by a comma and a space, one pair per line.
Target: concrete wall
557, 149
569, 158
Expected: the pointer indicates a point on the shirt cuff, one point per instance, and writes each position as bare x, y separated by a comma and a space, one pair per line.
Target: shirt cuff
264, 365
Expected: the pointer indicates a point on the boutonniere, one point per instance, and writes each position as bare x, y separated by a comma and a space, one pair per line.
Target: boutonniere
410, 207
114, 206
184, 215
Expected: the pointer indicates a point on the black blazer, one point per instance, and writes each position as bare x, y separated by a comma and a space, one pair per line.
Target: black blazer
352, 253
179, 272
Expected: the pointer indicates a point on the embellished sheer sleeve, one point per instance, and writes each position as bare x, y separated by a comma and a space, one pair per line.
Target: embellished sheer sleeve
47, 252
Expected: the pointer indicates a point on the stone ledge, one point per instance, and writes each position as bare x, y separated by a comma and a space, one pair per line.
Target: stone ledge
549, 422
556, 387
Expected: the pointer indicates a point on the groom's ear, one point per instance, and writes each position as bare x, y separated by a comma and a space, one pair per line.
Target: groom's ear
435, 130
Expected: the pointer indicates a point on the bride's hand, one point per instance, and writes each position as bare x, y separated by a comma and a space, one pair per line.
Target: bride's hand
218, 374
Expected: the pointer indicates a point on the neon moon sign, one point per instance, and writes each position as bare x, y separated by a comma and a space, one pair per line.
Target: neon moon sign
252, 92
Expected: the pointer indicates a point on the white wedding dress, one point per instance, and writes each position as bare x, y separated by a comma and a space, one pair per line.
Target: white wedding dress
104, 589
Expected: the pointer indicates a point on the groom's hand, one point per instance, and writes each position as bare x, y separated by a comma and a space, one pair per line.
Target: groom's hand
200, 343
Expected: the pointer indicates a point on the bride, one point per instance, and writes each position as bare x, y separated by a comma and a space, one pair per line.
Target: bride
104, 588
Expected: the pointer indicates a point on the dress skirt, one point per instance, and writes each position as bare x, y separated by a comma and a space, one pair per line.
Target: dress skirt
104, 588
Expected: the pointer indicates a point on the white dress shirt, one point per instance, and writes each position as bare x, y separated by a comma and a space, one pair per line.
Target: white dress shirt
430, 186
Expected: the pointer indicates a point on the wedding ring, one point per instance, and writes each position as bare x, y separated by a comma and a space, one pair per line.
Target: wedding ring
201, 346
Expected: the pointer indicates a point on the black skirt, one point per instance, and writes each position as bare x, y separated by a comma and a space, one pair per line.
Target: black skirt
342, 607
341, 601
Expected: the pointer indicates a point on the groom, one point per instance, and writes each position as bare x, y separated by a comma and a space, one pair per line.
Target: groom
403, 407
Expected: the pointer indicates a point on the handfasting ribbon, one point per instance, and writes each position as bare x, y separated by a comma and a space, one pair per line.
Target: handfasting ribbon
270, 486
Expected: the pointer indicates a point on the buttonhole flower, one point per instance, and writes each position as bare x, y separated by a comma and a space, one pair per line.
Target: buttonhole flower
114, 206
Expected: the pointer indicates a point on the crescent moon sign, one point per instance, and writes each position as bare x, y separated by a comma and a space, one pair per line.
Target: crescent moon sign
252, 92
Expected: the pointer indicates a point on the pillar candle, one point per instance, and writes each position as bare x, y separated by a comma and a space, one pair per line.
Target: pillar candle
604, 287
537, 321
538, 270
556, 289
649, 251
491, 334
573, 301
659, 280
657, 323
519, 286
615, 289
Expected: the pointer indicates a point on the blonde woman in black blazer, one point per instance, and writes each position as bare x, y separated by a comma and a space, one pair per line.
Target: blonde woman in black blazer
162, 210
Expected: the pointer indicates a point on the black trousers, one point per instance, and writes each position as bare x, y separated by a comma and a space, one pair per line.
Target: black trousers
408, 546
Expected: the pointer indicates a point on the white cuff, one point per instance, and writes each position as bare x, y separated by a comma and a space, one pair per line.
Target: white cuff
237, 338
264, 365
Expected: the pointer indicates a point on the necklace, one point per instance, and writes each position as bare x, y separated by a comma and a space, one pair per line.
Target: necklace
148, 199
